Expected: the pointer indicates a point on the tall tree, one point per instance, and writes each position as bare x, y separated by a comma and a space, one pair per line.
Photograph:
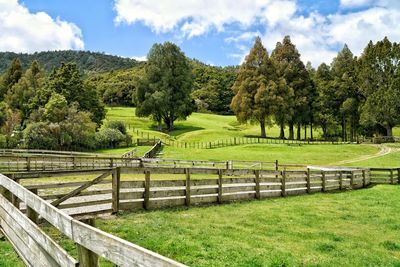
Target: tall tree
12, 76
344, 73
20, 94
252, 100
68, 82
164, 91
290, 67
379, 79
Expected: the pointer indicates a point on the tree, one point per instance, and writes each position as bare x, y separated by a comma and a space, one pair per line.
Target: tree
20, 94
346, 106
12, 76
379, 74
164, 91
289, 66
252, 100
68, 82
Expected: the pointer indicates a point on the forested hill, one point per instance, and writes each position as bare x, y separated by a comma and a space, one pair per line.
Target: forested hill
88, 62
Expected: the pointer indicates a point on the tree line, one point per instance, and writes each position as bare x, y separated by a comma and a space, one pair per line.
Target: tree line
350, 97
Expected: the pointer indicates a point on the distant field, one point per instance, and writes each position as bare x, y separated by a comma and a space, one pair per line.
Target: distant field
198, 126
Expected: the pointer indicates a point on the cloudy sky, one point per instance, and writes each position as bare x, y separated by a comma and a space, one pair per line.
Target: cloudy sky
218, 32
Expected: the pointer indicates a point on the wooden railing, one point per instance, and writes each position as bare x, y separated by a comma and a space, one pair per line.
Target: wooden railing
36, 248
48, 163
152, 153
385, 175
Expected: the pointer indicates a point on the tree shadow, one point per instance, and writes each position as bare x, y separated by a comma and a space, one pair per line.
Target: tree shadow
179, 130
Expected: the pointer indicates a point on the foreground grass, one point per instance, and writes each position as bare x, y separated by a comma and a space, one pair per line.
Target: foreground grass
357, 228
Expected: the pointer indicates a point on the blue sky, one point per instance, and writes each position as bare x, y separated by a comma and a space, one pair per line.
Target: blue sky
218, 32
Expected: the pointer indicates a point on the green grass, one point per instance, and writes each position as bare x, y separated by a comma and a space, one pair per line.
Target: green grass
355, 228
306, 154
8, 257
198, 126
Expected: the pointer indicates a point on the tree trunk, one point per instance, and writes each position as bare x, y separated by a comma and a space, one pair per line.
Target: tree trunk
262, 126
291, 130
282, 133
343, 130
305, 131
311, 131
389, 131
298, 131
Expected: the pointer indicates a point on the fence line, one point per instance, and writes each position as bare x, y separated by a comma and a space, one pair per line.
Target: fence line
145, 138
38, 249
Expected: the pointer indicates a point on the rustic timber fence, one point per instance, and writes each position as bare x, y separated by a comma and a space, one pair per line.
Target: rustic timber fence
121, 188
152, 153
36, 248
52, 163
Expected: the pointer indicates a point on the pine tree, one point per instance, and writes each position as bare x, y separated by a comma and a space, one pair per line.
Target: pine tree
290, 67
253, 101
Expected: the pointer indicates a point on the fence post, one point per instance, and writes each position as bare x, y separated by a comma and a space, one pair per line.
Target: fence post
276, 165
352, 180
147, 190
220, 186
341, 181
116, 181
283, 182
323, 181
308, 181
257, 180
391, 176
86, 257
398, 176
187, 183
14, 199
31, 213
363, 178
28, 164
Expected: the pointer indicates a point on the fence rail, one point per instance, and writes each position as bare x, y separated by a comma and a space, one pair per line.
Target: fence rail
10, 164
38, 249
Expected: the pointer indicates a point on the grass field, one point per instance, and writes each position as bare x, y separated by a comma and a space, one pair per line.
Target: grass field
353, 228
197, 127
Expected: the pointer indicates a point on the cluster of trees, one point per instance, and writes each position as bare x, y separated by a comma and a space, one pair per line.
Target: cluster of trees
352, 96
58, 111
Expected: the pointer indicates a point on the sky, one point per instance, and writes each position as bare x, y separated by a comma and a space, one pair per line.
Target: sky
217, 32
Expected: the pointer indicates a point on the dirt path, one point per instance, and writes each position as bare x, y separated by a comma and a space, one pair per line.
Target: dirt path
383, 150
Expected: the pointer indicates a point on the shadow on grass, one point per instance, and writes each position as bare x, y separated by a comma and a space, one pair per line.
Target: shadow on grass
178, 130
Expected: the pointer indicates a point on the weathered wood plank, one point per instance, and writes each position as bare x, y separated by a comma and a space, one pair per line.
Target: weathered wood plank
14, 216
81, 188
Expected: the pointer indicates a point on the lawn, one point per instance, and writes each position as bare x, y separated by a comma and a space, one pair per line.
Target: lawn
354, 228
198, 126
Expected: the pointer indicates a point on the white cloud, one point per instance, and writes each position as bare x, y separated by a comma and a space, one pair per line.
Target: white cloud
22, 31
354, 3
194, 18
316, 36
140, 58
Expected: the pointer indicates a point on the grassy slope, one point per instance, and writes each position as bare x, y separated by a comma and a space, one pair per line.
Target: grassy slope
356, 228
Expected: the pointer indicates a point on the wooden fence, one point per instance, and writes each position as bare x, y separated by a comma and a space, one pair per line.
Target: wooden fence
49, 163
36, 248
385, 175
109, 193
152, 153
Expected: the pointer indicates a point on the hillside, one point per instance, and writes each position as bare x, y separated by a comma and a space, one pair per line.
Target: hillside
88, 62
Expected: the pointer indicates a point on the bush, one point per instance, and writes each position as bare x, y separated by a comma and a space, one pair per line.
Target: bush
108, 137
117, 125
